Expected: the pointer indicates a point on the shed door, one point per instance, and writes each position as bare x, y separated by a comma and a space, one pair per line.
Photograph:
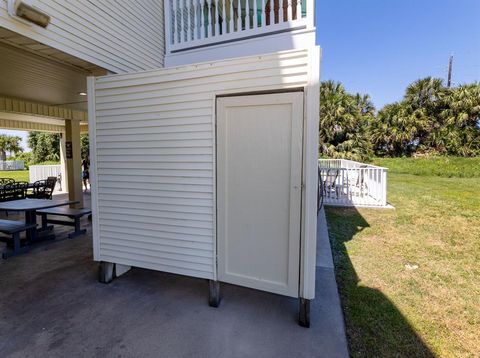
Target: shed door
259, 156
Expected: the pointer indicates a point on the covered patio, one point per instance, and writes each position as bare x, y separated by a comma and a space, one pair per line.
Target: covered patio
52, 304
43, 89
32, 116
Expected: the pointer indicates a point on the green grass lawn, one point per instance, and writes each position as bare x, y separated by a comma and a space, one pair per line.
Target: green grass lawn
449, 167
409, 278
18, 175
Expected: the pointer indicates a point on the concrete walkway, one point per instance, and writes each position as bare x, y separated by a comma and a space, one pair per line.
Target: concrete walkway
327, 299
51, 305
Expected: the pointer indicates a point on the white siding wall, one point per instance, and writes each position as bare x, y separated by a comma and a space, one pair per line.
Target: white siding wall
120, 36
153, 139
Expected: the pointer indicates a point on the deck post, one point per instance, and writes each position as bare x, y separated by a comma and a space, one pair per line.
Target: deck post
383, 183
63, 164
213, 293
74, 162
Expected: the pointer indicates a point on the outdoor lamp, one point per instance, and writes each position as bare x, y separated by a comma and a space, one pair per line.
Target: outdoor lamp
25, 11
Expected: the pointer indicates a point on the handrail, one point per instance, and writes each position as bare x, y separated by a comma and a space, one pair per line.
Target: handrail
198, 23
353, 162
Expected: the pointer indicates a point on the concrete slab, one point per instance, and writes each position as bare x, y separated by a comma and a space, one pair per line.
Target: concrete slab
51, 305
324, 252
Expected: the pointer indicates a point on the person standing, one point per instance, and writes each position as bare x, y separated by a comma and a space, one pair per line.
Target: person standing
86, 173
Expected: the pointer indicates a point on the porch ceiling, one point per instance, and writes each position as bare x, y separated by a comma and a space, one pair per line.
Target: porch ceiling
35, 72
31, 116
27, 44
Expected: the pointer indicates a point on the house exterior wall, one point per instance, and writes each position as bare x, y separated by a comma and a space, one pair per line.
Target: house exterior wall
120, 36
248, 47
152, 138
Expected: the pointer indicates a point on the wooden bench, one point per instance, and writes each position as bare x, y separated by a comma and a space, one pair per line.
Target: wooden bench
75, 214
13, 228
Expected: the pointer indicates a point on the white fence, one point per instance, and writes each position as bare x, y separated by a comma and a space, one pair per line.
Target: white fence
348, 183
12, 165
42, 172
199, 23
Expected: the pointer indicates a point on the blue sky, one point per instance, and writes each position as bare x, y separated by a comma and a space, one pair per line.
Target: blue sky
380, 46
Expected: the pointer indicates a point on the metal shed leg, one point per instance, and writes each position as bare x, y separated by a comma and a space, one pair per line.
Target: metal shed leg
304, 313
106, 272
213, 293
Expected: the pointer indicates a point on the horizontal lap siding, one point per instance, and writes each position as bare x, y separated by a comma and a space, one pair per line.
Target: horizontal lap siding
120, 36
154, 146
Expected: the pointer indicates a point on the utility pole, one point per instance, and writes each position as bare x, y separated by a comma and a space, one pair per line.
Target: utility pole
450, 65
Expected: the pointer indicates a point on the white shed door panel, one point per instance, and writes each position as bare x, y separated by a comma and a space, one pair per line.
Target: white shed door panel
259, 156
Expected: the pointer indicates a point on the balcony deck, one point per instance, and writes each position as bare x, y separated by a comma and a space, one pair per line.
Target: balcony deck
203, 30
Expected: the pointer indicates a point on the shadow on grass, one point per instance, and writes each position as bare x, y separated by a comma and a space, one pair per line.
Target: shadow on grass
375, 327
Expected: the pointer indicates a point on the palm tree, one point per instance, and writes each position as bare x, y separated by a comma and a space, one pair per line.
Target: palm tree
460, 134
396, 131
425, 92
344, 120
431, 118
10, 144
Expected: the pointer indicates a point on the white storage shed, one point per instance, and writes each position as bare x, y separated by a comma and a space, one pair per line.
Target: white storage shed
210, 171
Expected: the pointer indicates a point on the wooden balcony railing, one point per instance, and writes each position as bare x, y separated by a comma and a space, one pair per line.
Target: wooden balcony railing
199, 23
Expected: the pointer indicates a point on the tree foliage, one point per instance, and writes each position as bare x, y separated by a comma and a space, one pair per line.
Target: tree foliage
84, 143
431, 119
45, 146
344, 123
9, 144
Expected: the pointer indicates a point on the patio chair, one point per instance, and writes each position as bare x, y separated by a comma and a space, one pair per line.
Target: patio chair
21, 188
356, 182
5, 181
2, 193
351, 179
51, 182
42, 189
361, 182
330, 182
7, 192
320, 190
15, 191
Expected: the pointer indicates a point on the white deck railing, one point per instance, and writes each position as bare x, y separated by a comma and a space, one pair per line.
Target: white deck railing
349, 183
12, 165
199, 23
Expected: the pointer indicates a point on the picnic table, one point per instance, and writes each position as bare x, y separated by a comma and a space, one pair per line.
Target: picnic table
30, 207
